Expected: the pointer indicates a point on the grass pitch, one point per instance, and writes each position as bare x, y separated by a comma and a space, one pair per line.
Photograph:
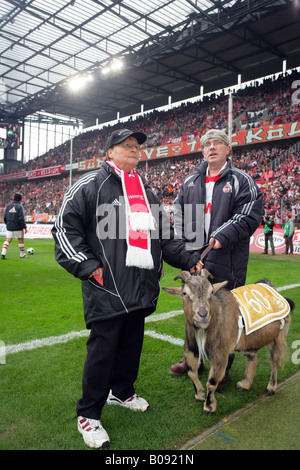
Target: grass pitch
39, 387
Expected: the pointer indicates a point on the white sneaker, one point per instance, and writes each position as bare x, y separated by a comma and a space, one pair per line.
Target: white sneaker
93, 433
135, 402
23, 256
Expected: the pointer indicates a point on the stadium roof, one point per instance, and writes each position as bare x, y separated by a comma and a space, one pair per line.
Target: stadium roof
167, 48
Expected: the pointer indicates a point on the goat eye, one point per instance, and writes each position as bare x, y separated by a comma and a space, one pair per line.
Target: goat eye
184, 293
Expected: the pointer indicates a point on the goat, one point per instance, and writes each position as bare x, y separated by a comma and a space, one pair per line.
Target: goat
212, 332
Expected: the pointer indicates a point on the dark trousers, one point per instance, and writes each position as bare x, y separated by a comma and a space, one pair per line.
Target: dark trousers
289, 245
112, 361
269, 238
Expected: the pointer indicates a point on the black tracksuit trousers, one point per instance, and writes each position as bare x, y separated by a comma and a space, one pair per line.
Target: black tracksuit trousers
112, 361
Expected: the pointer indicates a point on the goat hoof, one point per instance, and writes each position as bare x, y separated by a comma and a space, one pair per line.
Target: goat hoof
271, 392
200, 397
198, 400
209, 409
240, 388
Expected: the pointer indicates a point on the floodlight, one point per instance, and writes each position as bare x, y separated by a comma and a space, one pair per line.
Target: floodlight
116, 65
78, 82
105, 70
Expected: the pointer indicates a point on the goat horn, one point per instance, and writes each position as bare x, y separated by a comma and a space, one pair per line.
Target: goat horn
184, 275
206, 273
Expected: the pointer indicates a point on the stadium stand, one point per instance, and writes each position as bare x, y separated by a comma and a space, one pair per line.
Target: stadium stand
275, 166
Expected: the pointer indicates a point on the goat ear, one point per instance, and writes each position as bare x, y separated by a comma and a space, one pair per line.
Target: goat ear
173, 291
206, 273
218, 286
184, 275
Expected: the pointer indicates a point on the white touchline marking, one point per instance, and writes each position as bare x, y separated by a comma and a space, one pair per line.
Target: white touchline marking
51, 340
163, 316
292, 286
168, 338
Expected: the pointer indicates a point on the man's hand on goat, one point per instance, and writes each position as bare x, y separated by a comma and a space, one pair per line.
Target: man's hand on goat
197, 268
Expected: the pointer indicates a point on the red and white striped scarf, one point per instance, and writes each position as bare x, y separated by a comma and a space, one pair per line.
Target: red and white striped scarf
139, 219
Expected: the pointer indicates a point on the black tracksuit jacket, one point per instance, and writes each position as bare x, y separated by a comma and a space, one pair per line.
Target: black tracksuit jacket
235, 215
95, 199
14, 217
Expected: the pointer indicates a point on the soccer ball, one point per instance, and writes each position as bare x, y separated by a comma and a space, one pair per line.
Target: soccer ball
30, 251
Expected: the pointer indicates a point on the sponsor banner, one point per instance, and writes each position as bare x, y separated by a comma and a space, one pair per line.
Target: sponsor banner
266, 134
42, 217
39, 231
69, 166
33, 231
92, 164
23, 174
170, 150
45, 172
257, 242
246, 137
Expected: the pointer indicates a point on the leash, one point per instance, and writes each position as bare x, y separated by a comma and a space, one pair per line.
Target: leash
207, 250
204, 253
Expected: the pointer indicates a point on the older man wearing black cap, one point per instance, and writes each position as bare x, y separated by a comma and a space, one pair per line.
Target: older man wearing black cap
107, 236
230, 208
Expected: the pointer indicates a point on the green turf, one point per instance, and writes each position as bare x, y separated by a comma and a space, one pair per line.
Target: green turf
39, 388
261, 427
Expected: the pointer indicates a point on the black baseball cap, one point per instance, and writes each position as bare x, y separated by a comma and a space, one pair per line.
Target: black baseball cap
122, 134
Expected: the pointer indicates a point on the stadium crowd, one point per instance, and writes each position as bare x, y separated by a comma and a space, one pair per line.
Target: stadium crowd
268, 103
260, 104
281, 187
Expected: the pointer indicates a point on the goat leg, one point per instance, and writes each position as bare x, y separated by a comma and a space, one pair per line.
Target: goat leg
216, 374
274, 357
246, 382
192, 363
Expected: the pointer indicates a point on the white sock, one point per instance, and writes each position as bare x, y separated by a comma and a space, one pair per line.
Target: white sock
4, 247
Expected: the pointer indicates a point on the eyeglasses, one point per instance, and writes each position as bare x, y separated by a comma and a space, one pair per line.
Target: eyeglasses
130, 145
215, 143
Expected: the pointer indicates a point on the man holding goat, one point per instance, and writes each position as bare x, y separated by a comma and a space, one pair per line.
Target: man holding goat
228, 204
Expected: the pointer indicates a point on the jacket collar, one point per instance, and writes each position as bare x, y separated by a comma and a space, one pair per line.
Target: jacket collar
202, 170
